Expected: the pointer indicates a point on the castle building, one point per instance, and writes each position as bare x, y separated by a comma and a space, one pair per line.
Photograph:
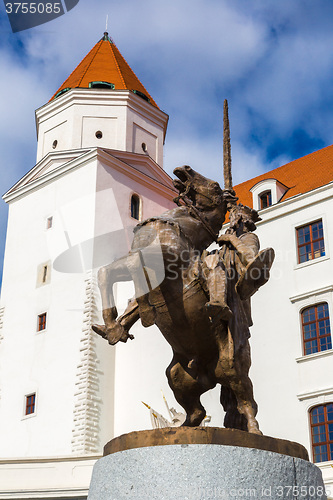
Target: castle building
292, 356
64, 392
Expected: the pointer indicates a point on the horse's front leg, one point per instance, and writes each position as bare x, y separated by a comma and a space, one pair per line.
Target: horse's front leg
112, 330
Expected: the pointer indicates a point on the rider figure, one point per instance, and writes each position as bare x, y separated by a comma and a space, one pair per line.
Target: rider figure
240, 236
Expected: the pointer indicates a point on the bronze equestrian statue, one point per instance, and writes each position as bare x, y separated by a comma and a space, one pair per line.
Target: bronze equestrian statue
202, 303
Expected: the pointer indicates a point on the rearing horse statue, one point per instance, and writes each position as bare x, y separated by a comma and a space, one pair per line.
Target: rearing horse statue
202, 304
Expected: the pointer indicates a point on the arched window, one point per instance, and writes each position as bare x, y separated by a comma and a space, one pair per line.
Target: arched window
265, 199
135, 206
321, 419
316, 328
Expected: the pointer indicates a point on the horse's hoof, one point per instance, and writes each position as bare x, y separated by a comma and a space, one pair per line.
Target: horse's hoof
253, 428
129, 336
194, 419
125, 338
255, 431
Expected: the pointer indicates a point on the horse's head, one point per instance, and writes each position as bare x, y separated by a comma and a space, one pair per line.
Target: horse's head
205, 194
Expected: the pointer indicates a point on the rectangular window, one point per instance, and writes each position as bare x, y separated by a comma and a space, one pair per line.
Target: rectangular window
49, 222
44, 274
310, 241
30, 404
41, 322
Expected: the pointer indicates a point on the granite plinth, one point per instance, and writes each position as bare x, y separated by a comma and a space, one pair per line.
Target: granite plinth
194, 471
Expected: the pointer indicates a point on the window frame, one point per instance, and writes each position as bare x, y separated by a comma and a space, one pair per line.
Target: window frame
49, 222
41, 321
316, 322
139, 208
326, 423
268, 194
43, 274
27, 405
311, 242
303, 301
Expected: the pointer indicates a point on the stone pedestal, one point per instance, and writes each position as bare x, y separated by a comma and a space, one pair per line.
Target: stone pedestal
203, 463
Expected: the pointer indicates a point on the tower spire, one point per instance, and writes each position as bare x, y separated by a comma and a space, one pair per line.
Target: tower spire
226, 148
106, 37
104, 63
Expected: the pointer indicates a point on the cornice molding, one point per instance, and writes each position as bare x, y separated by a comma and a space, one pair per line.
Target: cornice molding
315, 394
24, 186
45, 493
51, 460
314, 355
312, 293
21, 188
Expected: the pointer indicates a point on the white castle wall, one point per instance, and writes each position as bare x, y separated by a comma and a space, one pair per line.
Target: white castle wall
44, 362
286, 383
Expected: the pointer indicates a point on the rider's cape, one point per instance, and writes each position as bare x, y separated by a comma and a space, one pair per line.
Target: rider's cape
255, 274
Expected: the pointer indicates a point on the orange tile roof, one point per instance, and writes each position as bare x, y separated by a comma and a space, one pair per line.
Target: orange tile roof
299, 176
104, 63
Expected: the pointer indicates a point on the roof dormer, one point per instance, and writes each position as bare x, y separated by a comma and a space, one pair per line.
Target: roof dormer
267, 192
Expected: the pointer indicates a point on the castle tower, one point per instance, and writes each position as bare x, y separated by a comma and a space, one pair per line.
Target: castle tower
102, 104
99, 171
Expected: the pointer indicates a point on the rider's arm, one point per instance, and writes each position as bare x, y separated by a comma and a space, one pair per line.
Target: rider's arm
247, 245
